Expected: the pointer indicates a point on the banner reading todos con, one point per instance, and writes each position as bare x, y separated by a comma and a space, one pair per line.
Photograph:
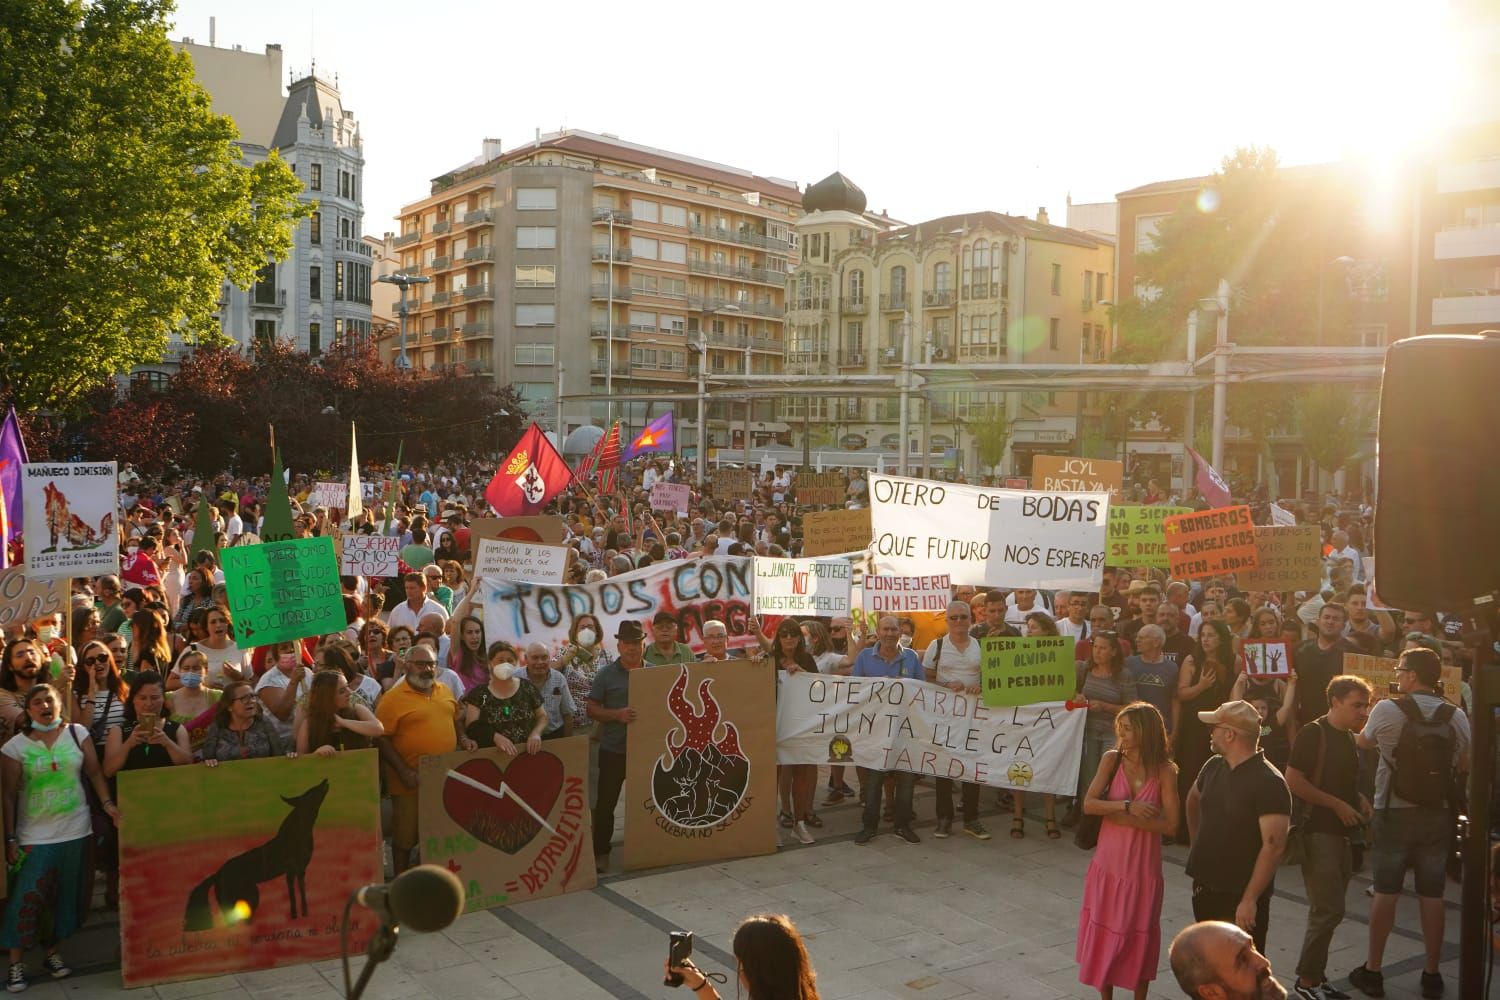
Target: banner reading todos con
1003, 538
904, 725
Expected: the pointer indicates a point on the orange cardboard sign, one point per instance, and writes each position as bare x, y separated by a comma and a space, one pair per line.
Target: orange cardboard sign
1208, 542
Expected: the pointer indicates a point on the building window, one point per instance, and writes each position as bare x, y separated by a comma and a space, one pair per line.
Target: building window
1100, 293
642, 322
856, 286
898, 281
674, 215
536, 199
315, 283
814, 245
1054, 328
265, 286
315, 228
535, 354
942, 276
674, 253
997, 261
647, 249
338, 280
981, 269
645, 211
854, 337
315, 179
314, 339
966, 274
536, 237
536, 275
265, 331
536, 314
1056, 279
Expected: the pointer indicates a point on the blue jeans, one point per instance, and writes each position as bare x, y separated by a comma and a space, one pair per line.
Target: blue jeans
875, 786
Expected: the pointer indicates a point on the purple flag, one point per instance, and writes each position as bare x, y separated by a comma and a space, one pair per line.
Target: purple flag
1210, 483
656, 437
12, 457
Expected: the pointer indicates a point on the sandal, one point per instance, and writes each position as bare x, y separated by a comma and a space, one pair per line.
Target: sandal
812, 819
834, 798
1017, 828
1053, 833
786, 820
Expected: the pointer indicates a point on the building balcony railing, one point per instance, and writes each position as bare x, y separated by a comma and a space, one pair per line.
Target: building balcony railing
601, 290
889, 355
980, 352
763, 275
621, 218
479, 366
853, 304
942, 298
601, 331
852, 359
276, 299
895, 302
813, 363
478, 216
745, 237
812, 302
440, 263
441, 298
476, 329
476, 292
441, 226
598, 367
407, 239
412, 269
441, 333
479, 253
602, 252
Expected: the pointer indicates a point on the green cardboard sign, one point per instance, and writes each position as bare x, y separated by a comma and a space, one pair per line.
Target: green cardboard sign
1026, 671
279, 591
1136, 536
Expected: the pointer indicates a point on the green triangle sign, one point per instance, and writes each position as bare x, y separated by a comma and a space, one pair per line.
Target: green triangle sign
204, 538
277, 526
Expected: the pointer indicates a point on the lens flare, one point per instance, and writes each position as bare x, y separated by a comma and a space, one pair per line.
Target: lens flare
239, 912
1208, 201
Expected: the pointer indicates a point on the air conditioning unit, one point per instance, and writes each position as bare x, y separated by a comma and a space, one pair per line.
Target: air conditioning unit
938, 354
857, 358
890, 354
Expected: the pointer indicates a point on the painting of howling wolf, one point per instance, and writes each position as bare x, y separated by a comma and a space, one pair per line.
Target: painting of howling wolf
237, 881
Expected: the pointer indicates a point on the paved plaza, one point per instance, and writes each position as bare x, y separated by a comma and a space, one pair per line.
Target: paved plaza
940, 920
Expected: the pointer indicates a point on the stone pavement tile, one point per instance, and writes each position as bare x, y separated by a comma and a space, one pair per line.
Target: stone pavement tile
867, 922
556, 982
841, 949
101, 986
472, 928
806, 895
419, 953
909, 978
285, 976
472, 979
323, 990
49, 989
191, 988
931, 951
511, 955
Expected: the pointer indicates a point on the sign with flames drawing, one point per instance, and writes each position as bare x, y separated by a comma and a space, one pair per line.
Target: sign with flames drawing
700, 764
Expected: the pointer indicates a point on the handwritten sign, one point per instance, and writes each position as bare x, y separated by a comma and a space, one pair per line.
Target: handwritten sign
1026, 671
736, 483
369, 555
1077, 475
830, 532
1380, 671
802, 586
25, 600
1202, 544
1136, 537
531, 562
279, 591
68, 519
892, 595
1267, 659
819, 488
673, 497
334, 496
1289, 559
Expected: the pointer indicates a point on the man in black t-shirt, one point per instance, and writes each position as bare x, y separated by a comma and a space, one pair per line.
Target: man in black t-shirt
1319, 660
1323, 774
1237, 814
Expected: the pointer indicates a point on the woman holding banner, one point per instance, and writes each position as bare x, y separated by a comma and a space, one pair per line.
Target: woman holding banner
1103, 684
795, 782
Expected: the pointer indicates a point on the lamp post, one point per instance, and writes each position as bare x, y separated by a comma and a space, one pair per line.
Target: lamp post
700, 347
403, 281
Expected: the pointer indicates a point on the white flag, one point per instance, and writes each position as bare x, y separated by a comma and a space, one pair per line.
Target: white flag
356, 494
1282, 517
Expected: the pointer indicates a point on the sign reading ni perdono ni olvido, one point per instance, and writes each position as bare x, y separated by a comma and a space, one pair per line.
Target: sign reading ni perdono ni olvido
1026, 671
280, 591
802, 586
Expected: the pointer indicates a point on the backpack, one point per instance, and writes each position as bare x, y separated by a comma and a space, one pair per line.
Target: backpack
1422, 769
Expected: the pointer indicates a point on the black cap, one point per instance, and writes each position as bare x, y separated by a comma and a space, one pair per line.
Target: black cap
664, 616
629, 631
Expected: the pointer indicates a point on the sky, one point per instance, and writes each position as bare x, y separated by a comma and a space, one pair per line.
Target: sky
933, 108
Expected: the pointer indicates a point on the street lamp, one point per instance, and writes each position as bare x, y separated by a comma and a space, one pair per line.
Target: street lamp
700, 348
403, 281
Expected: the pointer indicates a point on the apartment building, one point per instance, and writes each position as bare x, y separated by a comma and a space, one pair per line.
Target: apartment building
579, 263
981, 288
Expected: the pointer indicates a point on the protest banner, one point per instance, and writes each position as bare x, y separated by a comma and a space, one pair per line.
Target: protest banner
24, 600
693, 591
673, 497
802, 586
1136, 537
815, 489
68, 519
262, 839
1070, 474
904, 725
1287, 559
1380, 671
894, 595
733, 484
700, 764
504, 559
1026, 671
369, 555
512, 829
831, 532
1003, 538
1267, 658
548, 528
1207, 542
280, 591
334, 496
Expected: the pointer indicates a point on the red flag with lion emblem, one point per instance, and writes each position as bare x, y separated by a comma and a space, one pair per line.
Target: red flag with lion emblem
531, 474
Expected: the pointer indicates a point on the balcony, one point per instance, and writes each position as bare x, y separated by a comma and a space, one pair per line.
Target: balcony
889, 356
940, 299
479, 253
598, 367
602, 252
477, 292
895, 302
441, 333
762, 275
478, 366
412, 269
852, 359
805, 363
600, 331
745, 237
601, 290
854, 305
479, 216
274, 299
476, 329
1461, 241
441, 226
1477, 305
621, 218
407, 239
813, 302
439, 263
980, 352
441, 298
763, 309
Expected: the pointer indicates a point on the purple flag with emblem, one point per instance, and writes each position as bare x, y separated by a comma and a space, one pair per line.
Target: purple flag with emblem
12, 457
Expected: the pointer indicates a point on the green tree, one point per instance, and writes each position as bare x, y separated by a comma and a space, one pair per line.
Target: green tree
991, 433
123, 202
1335, 422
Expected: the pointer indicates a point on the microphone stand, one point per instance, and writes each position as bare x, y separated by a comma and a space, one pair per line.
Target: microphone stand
381, 945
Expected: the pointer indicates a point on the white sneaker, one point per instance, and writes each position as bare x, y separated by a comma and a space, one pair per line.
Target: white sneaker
803, 833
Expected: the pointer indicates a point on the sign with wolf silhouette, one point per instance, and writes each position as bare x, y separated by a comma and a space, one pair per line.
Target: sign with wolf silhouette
261, 865
700, 771
512, 829
68, 519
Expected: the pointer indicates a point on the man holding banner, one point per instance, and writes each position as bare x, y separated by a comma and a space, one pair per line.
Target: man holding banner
952, 660
887, 658
609, 703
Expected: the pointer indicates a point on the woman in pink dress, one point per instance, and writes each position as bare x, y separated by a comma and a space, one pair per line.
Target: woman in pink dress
1135, 791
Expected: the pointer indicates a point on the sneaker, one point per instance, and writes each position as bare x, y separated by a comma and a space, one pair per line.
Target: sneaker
944, 828
53, 963
1332, 992
1432, 985
834, 797
804, 834
16, 981
907, 834
864, 836
844, 787
976, 830
601, 863
1309, 992
1371, 984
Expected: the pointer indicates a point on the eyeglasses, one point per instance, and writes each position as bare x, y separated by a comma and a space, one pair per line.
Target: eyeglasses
1406, 670
89, 661
422, 663
244, 698
958, 618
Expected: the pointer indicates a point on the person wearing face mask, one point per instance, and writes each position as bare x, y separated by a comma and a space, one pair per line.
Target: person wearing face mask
239, 730
505, 712
42, 772
191, 704
281, 687
582, 656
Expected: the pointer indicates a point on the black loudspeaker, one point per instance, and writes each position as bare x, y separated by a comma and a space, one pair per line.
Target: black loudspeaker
1437, 519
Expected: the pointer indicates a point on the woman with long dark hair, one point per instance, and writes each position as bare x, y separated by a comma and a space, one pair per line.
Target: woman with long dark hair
147, 737
150, 642
1104, 685
1202, 690
340, 655
796, 783
466, 654
197, 595
332, 721
771, 960
85, 628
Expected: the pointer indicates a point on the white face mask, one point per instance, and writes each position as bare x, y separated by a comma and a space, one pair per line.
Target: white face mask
503, 671
587, 636
905, 641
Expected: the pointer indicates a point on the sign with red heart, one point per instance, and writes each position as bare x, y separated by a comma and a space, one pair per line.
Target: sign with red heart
497, 805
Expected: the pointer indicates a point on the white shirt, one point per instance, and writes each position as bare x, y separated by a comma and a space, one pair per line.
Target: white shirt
1079, 632
234, 527
953, 664
402, 614
275, 680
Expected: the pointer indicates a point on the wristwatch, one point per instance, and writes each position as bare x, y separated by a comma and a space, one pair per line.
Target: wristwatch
1127, 806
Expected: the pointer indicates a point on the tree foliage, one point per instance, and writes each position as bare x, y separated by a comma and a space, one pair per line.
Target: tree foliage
991, 434
124, 206
1334, 422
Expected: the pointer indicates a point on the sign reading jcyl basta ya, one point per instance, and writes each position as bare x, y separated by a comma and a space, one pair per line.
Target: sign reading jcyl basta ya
1070, 473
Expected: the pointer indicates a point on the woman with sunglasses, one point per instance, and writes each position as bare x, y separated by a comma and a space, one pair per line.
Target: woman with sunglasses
796, 783
98, 693
239, 731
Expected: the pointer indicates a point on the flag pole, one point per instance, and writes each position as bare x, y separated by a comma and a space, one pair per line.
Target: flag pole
390, 500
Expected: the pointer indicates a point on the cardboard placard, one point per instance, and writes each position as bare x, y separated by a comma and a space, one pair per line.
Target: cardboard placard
23, 599
802, 586
504, 559
674, 497
369, 555
1267, 658
256, 830
831, 532
1136, 537
1209, 542
1290, 558
733, 484
279, 591
545, 528
1380, 671
513, 829
334, 496
1077, 475
68, 519
700, 764
1017, 483
894, 595
1026, 671
820, 488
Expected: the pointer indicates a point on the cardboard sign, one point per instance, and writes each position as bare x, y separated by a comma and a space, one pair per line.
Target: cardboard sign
1268, 658
833, 532
369, 555
914, 726
1026, 671
1003, 538
279, 591
266, 857
513, 829
735, 484
1209, 542
1380, 671
1136, 537
894, 595
816, 489
24, 600
700, 764
1289, 559
548, 528
334, 496
68, 519
675, 497
1077, 475
802, 586
503, 559
1372, 599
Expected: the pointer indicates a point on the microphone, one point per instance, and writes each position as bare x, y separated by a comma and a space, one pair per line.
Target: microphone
424, 899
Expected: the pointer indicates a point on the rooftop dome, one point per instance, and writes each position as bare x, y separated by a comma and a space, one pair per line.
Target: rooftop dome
834, 193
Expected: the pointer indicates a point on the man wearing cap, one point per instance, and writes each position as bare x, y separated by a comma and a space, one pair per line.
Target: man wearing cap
1238, 811
609, 703
666, 649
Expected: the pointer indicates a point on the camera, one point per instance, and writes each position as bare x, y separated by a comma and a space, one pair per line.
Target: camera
679, 950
